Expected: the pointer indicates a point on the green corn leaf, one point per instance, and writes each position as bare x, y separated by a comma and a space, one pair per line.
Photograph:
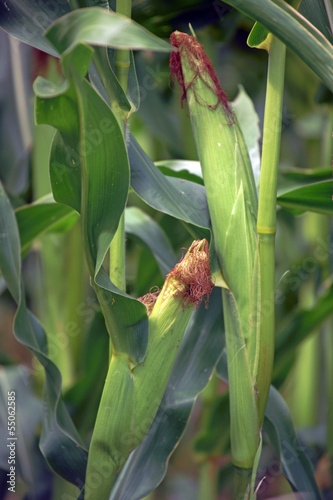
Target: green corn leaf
315, 12
316, 197
99, 27
295, 31
27, 20
41, 217
260, 37
183, 169
296, 467
184, 200
298, 177
86, 154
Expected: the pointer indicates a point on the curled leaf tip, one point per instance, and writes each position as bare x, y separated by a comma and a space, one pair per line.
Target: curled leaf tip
191, 52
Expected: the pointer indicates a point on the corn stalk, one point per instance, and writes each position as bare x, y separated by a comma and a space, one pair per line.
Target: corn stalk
133, 392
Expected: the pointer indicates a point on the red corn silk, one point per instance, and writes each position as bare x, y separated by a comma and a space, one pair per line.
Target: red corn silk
202, 67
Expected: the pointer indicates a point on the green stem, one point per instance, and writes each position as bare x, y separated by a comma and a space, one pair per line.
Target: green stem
328, 339
122, 59
207, 481
266, 225
242, 481
117, 247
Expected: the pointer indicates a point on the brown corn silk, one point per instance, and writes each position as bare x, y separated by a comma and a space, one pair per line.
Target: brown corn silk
191, 277
150, 298
190, 48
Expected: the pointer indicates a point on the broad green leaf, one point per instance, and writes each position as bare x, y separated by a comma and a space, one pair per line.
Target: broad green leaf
195, 362
296, 467
30, 465
315, 12
315, 197
99, 27
27, 20
89, 150
60, 442
295, 31
145, 229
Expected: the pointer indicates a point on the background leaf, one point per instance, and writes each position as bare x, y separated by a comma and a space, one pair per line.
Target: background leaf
315, 197
58, 432
184, 200
37, 218
296, 467
29, 462
144, 228
296, 327
27, 20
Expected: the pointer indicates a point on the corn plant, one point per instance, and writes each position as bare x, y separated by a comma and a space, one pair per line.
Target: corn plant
110, 397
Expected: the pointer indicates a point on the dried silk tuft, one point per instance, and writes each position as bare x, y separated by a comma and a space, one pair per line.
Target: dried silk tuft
190, 281
191, 49
150, 298
193, 271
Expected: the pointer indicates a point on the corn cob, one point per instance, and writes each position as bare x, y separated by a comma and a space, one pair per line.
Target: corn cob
232, 202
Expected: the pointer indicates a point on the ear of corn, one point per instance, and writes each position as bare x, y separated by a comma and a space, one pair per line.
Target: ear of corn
232, 204
132, 394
